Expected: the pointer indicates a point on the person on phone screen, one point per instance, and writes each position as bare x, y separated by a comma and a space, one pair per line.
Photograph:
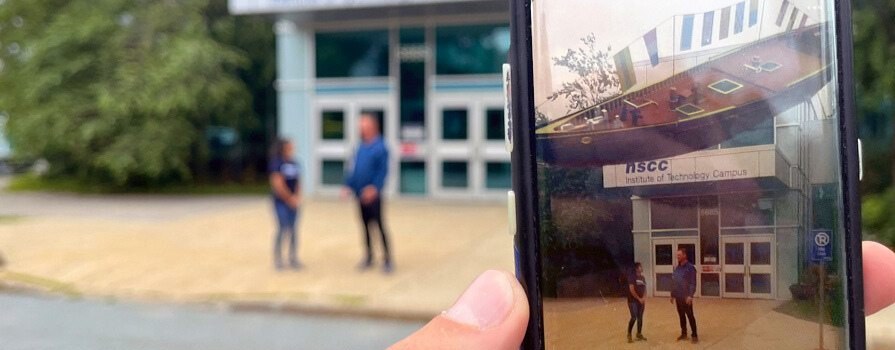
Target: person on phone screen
285, 188
683, 289
636, 301
365, 181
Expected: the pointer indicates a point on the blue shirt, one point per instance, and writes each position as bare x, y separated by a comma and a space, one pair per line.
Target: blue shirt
370, 167
288, 169
684, 279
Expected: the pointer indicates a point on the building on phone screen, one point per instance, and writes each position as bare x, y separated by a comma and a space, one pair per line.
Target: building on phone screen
430, 70
741, 210
717, 137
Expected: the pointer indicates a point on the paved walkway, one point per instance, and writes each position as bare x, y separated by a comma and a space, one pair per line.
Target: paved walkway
217, 250
723, 324
200, 250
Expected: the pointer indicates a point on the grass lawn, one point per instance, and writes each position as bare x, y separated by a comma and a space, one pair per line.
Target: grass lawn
33, 183
807, 310
5, 219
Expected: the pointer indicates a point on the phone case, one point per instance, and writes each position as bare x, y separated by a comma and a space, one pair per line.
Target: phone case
658, 155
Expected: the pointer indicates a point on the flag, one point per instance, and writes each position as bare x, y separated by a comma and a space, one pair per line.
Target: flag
708, 21
753, 12
792, 18
652, 47
724, 24
624, 67
782, 14
738, 21
687, 33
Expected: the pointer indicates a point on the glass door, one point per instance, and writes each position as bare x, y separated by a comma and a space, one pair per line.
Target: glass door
749, 267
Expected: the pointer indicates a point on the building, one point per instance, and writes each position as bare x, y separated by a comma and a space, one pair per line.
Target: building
429, 69
741, 210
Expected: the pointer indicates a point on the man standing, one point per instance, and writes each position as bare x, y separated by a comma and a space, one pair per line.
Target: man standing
365, 181
684, 280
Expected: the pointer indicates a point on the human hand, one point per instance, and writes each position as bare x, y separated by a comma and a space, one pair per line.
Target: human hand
369, 194
689, 300
491, 314
879, 277
642, 301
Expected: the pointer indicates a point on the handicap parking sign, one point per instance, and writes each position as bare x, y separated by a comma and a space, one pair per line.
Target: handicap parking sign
821, 242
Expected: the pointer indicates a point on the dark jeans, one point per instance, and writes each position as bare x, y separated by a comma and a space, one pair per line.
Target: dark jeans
684, 313
286, 218
636, 309
370, 213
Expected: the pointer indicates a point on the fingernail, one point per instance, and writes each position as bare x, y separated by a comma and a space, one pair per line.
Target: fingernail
486, 303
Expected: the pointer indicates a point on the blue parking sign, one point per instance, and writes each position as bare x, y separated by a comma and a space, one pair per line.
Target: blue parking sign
821, 243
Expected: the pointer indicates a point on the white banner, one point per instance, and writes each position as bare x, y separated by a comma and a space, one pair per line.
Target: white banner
716, 165
272, 6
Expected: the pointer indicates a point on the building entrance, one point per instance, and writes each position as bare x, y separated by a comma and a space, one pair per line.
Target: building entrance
748, 265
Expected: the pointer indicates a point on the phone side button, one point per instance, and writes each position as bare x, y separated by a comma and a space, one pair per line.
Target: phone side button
507, 108
860, 160
511, 212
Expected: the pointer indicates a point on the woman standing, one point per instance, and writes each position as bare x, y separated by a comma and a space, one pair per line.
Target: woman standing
636, 300
286, 191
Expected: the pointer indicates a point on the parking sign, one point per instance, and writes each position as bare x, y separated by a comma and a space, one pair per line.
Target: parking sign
821, 245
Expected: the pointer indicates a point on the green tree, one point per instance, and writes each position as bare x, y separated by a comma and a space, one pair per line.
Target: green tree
875, 81
116, 91
874, 34
254, 37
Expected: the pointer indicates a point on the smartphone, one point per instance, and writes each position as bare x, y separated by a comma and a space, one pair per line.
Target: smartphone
685, 174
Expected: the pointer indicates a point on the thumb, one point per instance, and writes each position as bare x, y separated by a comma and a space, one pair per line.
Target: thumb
879, 277
491, 314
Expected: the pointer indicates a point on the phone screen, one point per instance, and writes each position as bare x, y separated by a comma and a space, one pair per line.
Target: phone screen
689, 174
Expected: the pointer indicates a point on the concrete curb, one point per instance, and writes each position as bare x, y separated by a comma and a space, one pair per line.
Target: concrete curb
22, 286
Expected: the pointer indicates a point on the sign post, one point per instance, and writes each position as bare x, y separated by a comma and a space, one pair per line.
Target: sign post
821, 252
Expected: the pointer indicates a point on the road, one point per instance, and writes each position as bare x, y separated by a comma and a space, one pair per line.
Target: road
48, 323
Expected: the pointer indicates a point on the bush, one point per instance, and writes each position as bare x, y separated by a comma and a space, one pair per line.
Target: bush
877, 217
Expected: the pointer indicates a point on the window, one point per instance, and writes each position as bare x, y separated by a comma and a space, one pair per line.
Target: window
352, 54
454, 175
413, 177
494, 124
711, 285
333, 172
471, 49
708, 230
746, 209
454, 124
498, 175
761, 134
412, 58
674, 213
332, 124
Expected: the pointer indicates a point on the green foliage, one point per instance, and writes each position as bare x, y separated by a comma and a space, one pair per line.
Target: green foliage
116, 92
32, 183
877, 217
874, 34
